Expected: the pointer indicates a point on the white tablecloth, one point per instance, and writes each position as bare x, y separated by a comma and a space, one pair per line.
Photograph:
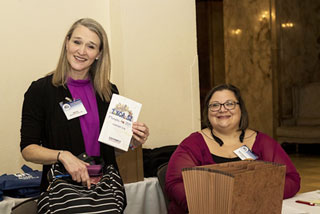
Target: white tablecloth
7, 204
144, 197
290, 206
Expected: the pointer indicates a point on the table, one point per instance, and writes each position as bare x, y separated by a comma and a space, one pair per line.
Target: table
146, 197
289, 206
8, 202
143, 197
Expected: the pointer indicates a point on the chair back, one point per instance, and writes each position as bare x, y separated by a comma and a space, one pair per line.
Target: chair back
161, 174
29, 206
308, 105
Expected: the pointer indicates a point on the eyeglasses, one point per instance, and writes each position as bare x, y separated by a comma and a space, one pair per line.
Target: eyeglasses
229, 105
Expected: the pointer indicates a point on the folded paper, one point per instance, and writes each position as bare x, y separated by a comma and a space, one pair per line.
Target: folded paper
117, 127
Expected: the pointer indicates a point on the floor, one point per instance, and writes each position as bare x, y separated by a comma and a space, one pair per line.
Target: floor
307, 162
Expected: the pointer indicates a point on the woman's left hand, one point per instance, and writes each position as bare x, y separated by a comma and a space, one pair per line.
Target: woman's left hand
140, 134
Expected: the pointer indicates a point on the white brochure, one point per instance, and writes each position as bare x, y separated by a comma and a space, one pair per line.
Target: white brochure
116, 130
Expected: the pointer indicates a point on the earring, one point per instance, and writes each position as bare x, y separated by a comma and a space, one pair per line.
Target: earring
97, 58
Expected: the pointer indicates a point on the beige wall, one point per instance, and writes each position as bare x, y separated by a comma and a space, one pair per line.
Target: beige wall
153, 50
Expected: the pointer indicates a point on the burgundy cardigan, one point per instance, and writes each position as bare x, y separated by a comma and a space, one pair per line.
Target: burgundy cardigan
193, 151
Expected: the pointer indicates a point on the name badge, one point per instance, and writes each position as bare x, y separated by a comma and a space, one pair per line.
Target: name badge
73, 109
244, 153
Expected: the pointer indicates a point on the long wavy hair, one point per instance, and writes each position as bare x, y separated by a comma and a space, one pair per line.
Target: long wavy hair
99, 70
244, 120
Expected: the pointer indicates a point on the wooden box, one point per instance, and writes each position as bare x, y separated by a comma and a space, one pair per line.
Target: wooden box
131, 165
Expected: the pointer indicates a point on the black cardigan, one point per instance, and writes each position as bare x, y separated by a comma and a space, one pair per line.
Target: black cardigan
44, 123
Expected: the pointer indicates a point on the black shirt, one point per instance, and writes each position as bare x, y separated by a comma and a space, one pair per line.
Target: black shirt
219, 159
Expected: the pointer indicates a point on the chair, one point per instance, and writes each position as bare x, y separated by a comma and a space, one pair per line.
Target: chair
28, 206
161, 174
304, 126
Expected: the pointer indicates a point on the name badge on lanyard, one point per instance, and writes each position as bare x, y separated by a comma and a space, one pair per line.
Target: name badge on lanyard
244, 153
73, 108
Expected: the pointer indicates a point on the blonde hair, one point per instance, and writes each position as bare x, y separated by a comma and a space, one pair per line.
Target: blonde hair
99, 70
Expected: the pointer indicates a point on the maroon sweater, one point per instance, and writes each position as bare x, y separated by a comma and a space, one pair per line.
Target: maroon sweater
193, 151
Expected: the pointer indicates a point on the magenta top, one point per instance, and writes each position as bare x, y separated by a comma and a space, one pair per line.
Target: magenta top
193, 151
90, 127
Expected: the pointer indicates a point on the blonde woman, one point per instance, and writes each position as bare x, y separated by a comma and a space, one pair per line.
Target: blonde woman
83, 72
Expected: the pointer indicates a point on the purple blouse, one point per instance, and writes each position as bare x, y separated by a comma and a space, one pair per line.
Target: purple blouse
83, 90
193, 151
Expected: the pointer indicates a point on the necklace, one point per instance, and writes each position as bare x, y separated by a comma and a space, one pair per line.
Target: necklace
220, 142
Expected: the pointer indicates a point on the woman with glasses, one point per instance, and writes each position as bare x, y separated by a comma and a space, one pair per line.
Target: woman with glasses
226, 129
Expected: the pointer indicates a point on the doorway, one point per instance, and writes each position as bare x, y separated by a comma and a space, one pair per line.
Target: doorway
210, 42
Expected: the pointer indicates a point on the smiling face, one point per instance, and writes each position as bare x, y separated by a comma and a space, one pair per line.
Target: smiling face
82, 50
224, 119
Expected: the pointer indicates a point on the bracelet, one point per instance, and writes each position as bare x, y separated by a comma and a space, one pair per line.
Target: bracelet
59, 156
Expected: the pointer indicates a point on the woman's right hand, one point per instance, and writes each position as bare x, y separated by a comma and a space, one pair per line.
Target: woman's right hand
76, 168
